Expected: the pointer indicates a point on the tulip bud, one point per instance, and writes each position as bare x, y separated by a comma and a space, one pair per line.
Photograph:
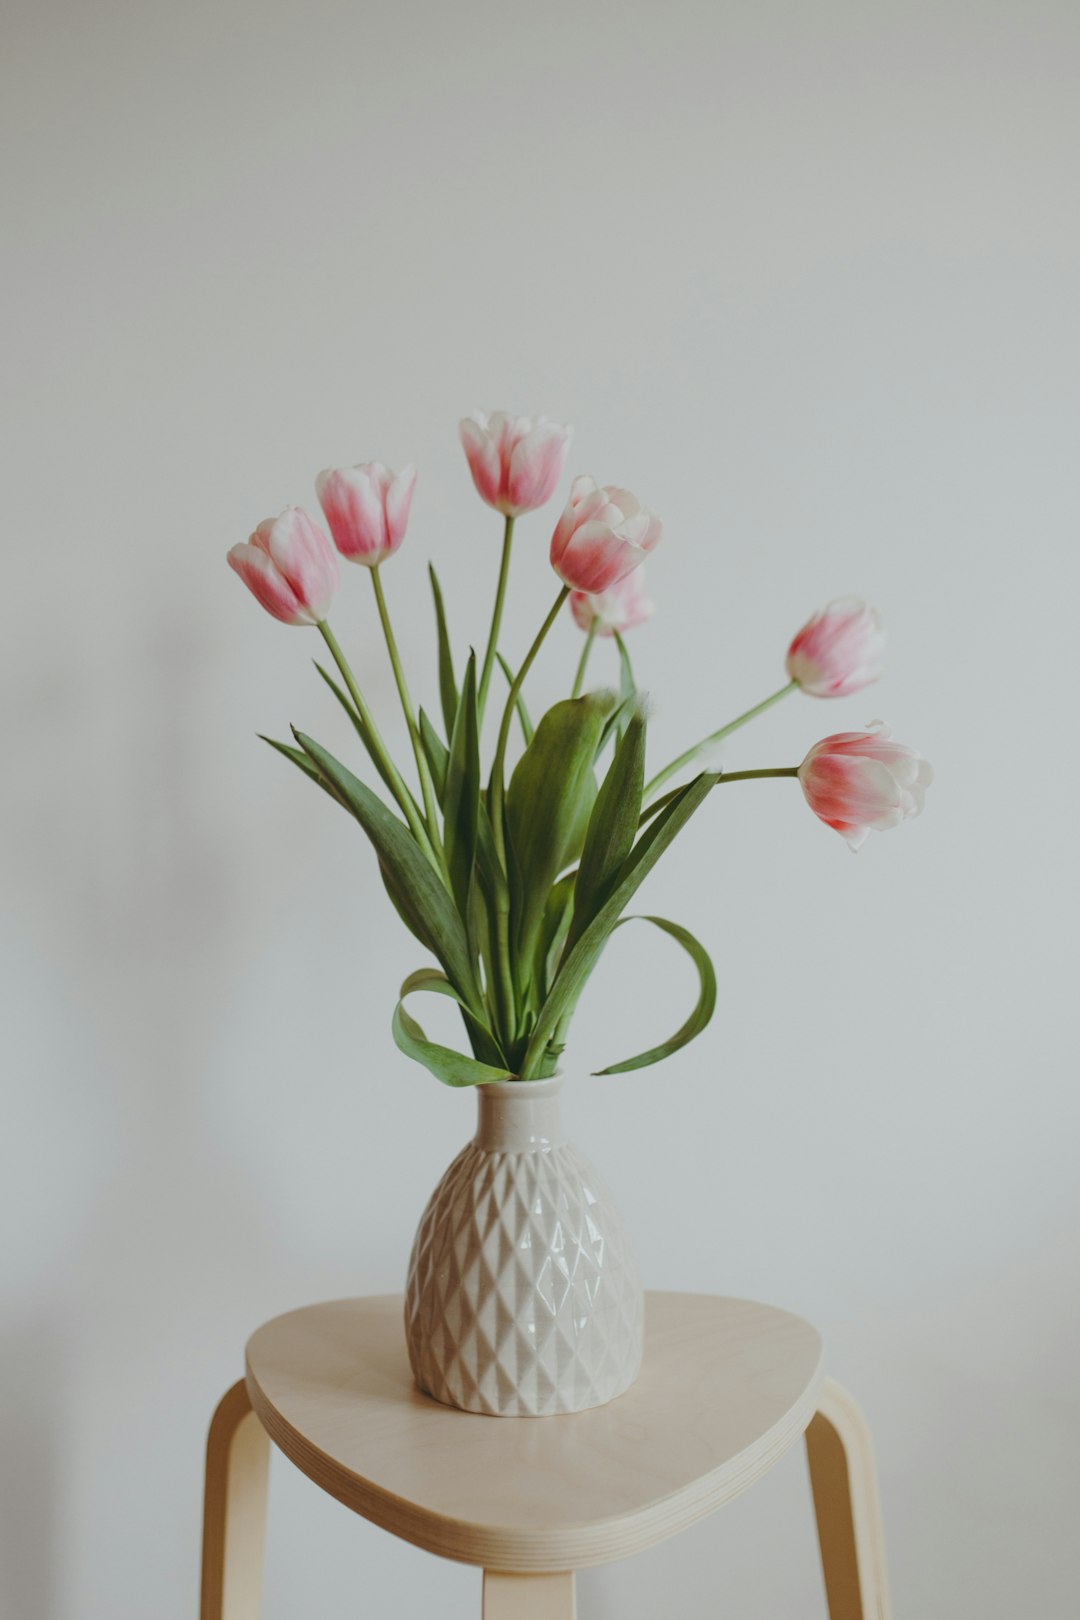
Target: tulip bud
839, 650
289, 566
622, 607
861, 782
515, 462
367, 508
602, 536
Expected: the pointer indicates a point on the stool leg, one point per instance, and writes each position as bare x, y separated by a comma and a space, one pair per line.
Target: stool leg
234, 1510
528, 1597
844, 1482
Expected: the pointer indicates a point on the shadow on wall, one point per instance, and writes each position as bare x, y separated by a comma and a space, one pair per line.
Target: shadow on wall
32, 1377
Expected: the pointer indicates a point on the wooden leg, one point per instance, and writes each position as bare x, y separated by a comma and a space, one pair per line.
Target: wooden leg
528, 1597
844, 1482
234, 1511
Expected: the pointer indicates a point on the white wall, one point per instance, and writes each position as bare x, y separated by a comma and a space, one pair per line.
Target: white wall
804, 277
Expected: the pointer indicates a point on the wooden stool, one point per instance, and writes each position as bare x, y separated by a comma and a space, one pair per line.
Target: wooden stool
726, 1388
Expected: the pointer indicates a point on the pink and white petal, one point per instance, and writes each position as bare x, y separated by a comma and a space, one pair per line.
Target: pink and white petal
536, 465
294, 543
595, 559
482, 454
583, 485
267, 585
398, 503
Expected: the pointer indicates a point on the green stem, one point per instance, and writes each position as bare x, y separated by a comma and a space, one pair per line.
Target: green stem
579, 678
497, 788
721, 776
505, 977
496, 620
427, 787
715, 737
378, 747
750, 776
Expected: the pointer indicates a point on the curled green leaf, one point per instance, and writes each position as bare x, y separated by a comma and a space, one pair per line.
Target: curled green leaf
704, 1007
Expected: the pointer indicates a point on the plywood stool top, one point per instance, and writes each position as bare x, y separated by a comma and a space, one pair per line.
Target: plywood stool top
727, 1386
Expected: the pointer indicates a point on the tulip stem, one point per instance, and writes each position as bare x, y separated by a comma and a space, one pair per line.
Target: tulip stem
496, 620
377, 747
718, 778
715, 737
579, 678
427, 787
505, 977
750, 776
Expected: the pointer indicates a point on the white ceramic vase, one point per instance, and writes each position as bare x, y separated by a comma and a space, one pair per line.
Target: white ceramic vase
523, 1297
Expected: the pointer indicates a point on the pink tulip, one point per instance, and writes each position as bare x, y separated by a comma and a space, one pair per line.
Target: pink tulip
289, 566
862, 782
622, 607
839, 650
367, 509
602, 536
515, 462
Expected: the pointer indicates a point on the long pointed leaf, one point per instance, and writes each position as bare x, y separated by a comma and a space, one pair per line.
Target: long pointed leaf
575, 970
415, 887
462, 801
448, 692
436, 752
549, 802
452, 1068
613, 827
362, 732
703, 1009
301, 761
627, 684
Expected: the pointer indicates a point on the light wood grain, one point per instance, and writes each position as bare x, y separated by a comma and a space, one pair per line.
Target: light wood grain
727, 1386
528, 1597
848, 1510
234, 1511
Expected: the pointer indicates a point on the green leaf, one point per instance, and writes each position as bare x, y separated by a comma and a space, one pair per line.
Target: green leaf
613, 826
414, 886
361, 731
703, 1010
548, 804
527, 728
452, 1068
579, 962
627, 684
554, 927
618, 720
448, 692
436, 753
301, 761
462, 802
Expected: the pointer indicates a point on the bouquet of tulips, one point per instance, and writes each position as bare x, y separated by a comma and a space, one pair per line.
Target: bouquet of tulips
514, 880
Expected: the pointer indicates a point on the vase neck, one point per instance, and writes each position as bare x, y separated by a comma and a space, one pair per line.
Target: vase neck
519, 1116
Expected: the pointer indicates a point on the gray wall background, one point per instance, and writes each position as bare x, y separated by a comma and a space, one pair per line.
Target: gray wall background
805, 277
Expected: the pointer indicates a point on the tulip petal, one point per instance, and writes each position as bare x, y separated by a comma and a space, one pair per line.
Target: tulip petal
399, 496
267, 584
536, 464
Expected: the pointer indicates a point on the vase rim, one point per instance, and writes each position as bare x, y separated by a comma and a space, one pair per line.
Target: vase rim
521, 1090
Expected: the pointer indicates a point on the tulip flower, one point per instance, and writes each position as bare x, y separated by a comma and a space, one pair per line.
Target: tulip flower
622, 607
861, 782
289, 566
515, 462
839, 650
367, 508
603, 535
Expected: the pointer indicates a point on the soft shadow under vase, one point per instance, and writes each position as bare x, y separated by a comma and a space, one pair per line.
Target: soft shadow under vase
523, 1297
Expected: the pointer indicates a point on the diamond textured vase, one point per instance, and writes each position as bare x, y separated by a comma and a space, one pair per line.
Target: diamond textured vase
523, 1297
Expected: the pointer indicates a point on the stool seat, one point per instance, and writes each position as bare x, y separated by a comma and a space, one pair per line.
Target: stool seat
726, 1387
